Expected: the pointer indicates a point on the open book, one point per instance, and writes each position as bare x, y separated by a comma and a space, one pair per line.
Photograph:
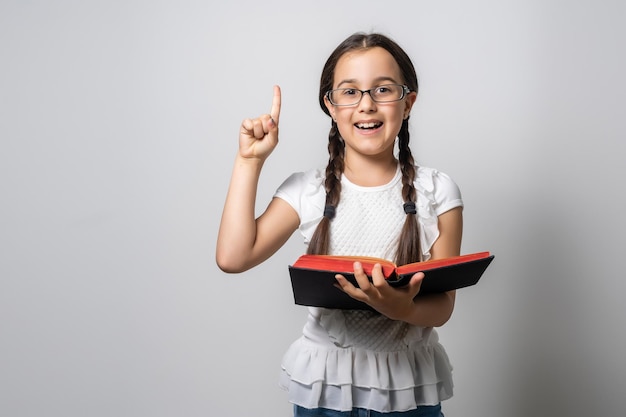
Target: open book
313, 276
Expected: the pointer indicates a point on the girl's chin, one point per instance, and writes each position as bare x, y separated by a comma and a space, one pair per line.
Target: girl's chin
370, 147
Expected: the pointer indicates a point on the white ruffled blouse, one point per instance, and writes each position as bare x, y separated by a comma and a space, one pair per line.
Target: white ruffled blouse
350, 358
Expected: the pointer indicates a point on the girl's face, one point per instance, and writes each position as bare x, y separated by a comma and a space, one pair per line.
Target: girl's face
369, 129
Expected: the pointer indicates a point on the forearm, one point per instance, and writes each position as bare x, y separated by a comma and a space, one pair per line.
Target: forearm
237, 231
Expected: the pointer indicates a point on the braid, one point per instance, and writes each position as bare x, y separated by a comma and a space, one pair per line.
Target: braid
320, 241
408, 244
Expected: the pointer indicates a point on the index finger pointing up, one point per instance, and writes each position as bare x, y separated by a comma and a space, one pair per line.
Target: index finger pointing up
275, 112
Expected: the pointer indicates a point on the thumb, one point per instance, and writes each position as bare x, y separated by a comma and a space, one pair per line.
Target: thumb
416, 283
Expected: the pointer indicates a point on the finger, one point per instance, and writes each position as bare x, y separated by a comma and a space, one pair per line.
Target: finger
276, 103
378, 279
247, 127
344, 284
361, 278
415, 283
257, 128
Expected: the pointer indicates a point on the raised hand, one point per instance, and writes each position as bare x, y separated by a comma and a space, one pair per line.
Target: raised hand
258, 137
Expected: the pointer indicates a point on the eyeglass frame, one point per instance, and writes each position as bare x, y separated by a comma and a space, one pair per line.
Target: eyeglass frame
405, 90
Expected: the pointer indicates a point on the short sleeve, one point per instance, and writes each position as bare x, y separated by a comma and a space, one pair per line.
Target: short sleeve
447, 193
304, 191
436, 194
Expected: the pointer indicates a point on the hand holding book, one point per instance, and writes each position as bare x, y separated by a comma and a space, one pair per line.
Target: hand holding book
374, 291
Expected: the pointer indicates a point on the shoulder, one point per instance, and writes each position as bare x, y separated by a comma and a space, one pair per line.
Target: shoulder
297, 182
436, 193
302, 188
439, 190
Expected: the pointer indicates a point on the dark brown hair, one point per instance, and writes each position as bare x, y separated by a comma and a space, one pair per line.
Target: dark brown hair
409, 245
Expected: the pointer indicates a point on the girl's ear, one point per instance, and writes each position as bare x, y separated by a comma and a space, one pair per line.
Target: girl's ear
330, 107
408, 103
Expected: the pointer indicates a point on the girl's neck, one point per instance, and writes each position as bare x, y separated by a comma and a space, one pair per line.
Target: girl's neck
370, 172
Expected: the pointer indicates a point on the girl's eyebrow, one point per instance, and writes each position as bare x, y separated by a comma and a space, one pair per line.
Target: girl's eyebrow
376, 81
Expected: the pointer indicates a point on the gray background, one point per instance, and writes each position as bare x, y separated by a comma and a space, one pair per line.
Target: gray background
119, 123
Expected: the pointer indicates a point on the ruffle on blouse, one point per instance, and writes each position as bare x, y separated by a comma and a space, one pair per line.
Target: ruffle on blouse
427, 217
313, 198
345, 378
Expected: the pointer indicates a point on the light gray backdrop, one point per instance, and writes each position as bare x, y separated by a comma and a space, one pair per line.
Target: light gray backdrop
119, 123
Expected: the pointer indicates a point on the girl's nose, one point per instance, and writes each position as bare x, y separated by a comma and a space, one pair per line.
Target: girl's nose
366, 103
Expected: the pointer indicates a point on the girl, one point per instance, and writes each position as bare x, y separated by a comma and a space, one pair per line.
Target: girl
367, 202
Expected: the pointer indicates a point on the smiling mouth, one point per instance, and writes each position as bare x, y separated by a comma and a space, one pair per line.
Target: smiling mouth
368, 126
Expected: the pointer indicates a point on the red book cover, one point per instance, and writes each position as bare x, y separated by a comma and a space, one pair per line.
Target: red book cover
313, 276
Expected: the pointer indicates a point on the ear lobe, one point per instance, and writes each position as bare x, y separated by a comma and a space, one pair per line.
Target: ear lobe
407, 110
410, 100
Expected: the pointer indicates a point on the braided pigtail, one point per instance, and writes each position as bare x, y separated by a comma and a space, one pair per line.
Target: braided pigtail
409, 243
320, 242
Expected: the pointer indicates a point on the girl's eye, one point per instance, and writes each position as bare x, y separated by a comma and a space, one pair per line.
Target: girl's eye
349, 92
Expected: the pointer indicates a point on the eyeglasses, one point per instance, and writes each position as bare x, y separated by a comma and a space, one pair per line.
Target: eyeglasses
382, 94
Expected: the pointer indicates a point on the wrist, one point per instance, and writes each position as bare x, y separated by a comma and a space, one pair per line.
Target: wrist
254, 162
409, 313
